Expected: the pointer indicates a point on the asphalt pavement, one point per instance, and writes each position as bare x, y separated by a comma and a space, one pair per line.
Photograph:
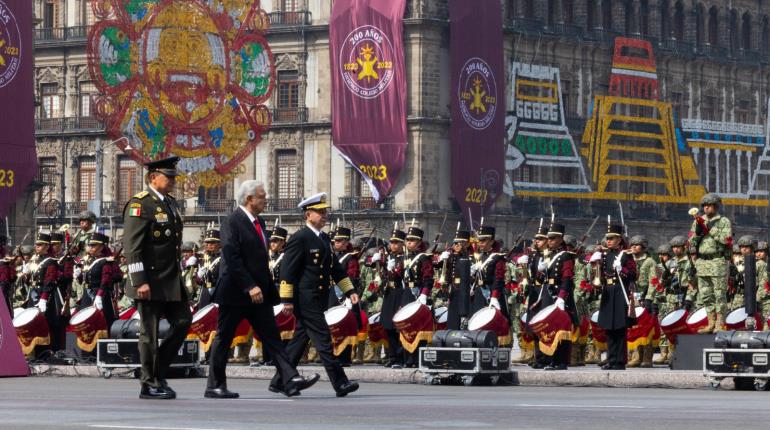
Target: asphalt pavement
90, 403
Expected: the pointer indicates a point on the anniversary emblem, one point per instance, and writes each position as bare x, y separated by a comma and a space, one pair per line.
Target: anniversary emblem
477, 92
10, 45
366, 62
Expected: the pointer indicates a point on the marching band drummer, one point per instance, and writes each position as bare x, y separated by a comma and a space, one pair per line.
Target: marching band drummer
459, 305
100, 276
418, 274
618, 271
489, 271
45, 280
395, 295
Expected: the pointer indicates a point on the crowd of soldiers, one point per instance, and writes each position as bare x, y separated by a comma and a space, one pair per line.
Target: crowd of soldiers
700, 270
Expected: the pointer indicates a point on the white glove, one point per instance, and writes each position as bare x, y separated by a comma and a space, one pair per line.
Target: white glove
376, 257
444, 256
423, 299
523, 260
192, 261
596, 256
541, 266
391, 264
560, 303
42, 305
202, 272
77, 271
475, 267
616, 264
494, 303
98, 303
348, 304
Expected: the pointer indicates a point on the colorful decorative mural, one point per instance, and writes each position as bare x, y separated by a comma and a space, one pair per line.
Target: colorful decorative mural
183, 77
632, 149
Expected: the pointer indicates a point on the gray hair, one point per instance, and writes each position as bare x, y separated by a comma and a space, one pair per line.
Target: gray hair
246, 189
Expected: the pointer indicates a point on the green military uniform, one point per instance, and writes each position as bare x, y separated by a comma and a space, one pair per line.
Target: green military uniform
712, 236
152, 238
189, 272
691, 297
646, 286
665, 297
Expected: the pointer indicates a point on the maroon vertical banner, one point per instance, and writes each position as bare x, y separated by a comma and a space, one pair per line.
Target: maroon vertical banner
12, 361
18, 158
478, 105
369, 88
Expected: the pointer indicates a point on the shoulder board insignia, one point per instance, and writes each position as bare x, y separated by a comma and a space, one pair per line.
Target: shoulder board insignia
141, 195
135, 205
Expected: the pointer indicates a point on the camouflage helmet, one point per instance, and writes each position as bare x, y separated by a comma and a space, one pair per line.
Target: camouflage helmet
639, 240
188, 247
747, 240
663, 249
761, 246
27, 250
678, 240
570, 240
736, 249
710, 199
87, 215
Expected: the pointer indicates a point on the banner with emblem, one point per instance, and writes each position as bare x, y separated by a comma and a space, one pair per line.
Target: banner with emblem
369, 89
18, 165
478, 107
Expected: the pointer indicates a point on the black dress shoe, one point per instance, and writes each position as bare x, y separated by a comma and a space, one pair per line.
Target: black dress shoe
618, 367
163, 383
607, 366
537, 365
302, 383
556, 367
346, 388
219, 393
155, 393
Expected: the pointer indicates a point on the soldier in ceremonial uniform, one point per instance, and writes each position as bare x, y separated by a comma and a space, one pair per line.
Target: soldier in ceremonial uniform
618, 272
190, 266
152, 239
277, 242
208, 271
646, 281
45, 281
711, 235
394, 295
457, 283
538, 254
418, 275
66, 259
7, 278
348, 258
488, 271
308, 271
582, 292
371, 299
519, 302
87, 224
100, 276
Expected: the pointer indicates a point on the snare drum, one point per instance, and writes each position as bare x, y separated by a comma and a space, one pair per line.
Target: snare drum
286, 323
204, 325
736, 320
597, 332
580, 332
441, 315
551, 326
697, 320
342, 326
89, 326
127, 313
377, 334
489, 318
414, 322
675, 323
643, 332
31, 329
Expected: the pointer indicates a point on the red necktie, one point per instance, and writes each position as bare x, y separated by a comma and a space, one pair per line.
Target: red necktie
259, 231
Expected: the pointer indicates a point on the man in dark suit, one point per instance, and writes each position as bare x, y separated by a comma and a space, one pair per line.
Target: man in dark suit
245, 290
152, 236
308, 271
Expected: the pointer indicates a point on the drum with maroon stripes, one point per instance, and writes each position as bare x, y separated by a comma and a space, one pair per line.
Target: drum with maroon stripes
736, 320
377, 334
415, 323
441, 315
127, 313
204, 325
551, 325
580, 332
675, 323
31, 329
363, 329
697, 320
490, 318
598, 334
342, 326
286, 322
527, 340
89, 326
644, 332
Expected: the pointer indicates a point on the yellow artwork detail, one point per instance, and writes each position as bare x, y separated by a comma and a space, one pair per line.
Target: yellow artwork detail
478, 95
367, 65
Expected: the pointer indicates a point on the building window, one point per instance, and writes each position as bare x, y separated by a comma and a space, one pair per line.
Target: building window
765, 34
129, 179
607, 14
290, 5
678, 21
87, 92
88, 17
49, 176
733, 30
743, 112
569, 11
699, 25
286, 168
664, 17
566, 90
355, 185
86, 179
708, 108
551, 13
220, 192
746, 32
590, 15
529, 9
50, 101
51, 13
288, 96
644, 18
713, 27
676, 105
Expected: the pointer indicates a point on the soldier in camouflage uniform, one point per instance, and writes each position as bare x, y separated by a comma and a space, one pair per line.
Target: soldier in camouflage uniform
691, 298
746, 246
711, 234
371, 299
736, 278
518, 306
761, 251
189, 269
581, 293
646, 285
666, 298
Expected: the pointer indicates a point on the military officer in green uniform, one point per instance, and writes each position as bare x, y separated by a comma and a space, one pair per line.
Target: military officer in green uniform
761, 251
642, 356
712, 236
152, 239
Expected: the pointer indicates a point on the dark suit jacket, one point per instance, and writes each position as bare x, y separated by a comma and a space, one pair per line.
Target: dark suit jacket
244, 263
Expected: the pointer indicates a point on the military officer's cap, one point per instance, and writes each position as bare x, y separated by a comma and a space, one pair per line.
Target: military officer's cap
342, 233
556, 230
639, 240
397, 236
415, 233
188, 247
166, 166
664, 249
542, 233
43, 238
87, 215
462, 236
747, 240
486, 232
761, 245
317, 201
614, 230
677, 240
279, 233
710, 199
212, 235
57, 237
570, 240
98, 239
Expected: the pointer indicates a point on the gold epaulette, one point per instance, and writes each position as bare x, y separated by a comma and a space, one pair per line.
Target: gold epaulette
141, 195
286, 290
